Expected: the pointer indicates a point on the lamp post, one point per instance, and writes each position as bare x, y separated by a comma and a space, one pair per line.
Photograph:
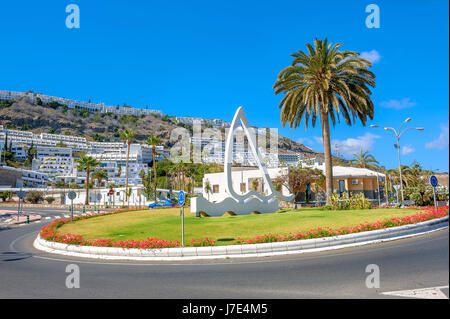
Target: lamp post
397, 146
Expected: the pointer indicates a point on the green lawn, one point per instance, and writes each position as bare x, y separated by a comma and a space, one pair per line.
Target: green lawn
166, 224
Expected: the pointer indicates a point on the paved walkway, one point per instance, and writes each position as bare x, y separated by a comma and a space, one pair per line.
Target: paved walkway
8, 217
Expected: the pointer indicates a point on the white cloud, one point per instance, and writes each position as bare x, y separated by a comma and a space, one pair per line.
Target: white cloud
407, 149
350, 146
398, 104
442, 141
318, 139
372, 56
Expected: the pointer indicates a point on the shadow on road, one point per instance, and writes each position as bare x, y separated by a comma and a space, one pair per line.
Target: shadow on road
14, 256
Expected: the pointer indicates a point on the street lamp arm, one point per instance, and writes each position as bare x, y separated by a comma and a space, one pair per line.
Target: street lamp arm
405, 121
411, 128
393, 130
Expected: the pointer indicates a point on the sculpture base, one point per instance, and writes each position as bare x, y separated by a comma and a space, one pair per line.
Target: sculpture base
200, 204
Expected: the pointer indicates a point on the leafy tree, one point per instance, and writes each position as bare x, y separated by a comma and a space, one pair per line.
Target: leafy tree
297, 177
34, 197
6, 196
321, 84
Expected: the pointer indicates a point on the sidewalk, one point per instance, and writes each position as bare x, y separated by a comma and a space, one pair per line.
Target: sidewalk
9, 217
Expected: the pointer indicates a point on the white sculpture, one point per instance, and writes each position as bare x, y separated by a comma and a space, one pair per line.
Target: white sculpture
252, 200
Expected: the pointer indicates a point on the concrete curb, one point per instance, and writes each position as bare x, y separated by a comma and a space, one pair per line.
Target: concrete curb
244, 251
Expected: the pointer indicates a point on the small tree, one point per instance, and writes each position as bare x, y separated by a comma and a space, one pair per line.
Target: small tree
34, 197
208, 188
6, 196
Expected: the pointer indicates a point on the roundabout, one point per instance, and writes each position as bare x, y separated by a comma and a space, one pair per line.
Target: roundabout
52, 238
409, 263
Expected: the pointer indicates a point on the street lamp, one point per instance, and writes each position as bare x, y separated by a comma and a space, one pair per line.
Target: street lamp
397, 146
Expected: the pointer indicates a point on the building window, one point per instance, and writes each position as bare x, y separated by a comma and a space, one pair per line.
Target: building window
355, 182
215, 188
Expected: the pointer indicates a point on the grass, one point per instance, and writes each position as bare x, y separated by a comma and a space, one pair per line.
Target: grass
166, 224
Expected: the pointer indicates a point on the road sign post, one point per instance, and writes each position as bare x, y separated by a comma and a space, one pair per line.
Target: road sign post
72, 195
181, 199
434, 183
21, 194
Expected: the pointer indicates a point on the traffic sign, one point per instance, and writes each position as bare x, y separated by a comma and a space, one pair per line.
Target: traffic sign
181, 198
433, 181
21, 194
111, 192
72, 195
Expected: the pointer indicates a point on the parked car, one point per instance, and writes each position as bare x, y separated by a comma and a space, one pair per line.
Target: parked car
162, 203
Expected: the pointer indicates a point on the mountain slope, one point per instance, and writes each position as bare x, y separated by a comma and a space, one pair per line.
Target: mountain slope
29, 116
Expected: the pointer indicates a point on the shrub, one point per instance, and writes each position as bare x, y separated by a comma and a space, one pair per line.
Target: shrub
34, 197
50, 199
6, 196
357, 201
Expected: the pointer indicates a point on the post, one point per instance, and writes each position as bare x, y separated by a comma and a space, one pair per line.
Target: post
434, 197
400, 169
182, 226
71, 209
18, 210
378, 185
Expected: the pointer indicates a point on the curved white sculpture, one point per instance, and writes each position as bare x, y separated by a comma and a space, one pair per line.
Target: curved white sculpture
252, 200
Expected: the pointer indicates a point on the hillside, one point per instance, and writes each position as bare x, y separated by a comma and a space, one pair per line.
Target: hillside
57, 119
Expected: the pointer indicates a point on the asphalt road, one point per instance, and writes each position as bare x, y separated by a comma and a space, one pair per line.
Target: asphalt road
414, 263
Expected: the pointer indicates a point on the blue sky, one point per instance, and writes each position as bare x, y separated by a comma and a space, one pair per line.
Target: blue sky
205, 58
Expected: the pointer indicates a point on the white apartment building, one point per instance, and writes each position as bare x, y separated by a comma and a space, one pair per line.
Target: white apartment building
23, 178
74, 104
290, 158
54, 161
217, 123
115, 166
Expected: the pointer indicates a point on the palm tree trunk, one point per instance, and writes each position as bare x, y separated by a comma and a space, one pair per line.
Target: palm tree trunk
126, 182
86, 202
327, 154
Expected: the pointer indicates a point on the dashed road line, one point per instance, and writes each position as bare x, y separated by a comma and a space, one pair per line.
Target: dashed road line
422, 293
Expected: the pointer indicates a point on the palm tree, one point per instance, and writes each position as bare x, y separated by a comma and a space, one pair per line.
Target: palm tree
100, 175
364, 160
87, 163
153, 141
323, 83
128, 136
207, 188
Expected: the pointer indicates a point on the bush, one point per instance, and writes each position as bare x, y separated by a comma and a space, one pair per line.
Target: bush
6, 196
50, 199
34, 197
358, 201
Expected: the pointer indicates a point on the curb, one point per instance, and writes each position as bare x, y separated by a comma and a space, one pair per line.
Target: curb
247, 250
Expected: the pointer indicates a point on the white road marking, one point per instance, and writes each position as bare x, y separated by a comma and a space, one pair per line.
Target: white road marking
423, 293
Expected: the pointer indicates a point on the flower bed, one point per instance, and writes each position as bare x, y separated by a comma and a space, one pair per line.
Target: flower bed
428, 214
49, 232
